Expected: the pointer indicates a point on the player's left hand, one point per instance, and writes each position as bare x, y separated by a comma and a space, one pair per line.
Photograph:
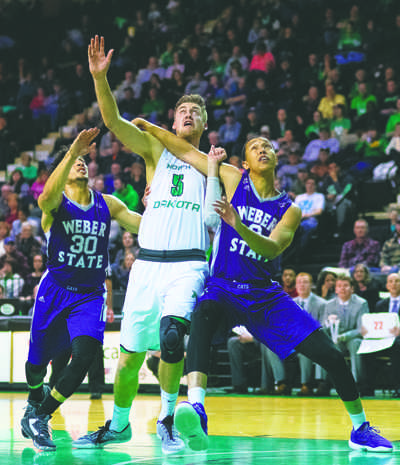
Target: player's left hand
217, 154
227, 212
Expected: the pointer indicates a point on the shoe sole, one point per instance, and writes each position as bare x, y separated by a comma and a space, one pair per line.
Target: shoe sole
381, 449
26, 435
165, 450
188, 423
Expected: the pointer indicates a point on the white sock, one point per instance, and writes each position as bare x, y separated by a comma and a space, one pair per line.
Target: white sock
168, 402
196, 395
358, 419
120, 419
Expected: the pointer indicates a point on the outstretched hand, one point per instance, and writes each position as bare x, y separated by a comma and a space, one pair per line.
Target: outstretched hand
227, 212
98, 61
83, 142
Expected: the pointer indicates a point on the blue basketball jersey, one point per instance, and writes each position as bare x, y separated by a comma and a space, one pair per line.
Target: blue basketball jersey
232, 258
77, 243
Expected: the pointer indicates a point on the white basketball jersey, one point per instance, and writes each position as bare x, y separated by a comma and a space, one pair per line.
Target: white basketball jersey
173, 219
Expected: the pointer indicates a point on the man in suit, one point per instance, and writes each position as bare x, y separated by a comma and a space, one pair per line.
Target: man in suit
314, 305
389, 304
343, 314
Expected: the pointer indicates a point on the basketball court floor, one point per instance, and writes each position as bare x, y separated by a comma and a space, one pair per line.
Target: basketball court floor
244, 430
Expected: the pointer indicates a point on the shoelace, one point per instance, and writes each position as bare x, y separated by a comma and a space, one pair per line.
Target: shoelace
370, 429
99, 434
43, 426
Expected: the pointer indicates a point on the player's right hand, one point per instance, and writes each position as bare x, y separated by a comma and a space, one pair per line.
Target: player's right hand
98, 61
82, 143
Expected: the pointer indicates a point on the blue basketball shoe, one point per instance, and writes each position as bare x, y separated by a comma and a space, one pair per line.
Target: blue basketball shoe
191, 422
366, 437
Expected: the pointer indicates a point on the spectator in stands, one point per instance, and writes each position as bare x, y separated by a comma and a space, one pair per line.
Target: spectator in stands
32, 279
152, 67
237, 57
312, 205
196, 85
121, 270
27, 244
12, 202
320, 169
24, 217
21, 262
128, 105
154, 106
288, 281
16, 181
129, 245
390, 253
175, 87
393, 120
393, 148
361, 249
137, 176
262, 61
371, 146
314, 305
287, 144
4, 232
325, 141
330, 100
299, 184
337, 188
343, 318
38, 184
11, 281
236, 96
5, 192
126, 193
340, 125
365, 285
29, 171
229, 133
312, 130
115, 170
287, 173
358, 104
176, 65
325, 285
389, 99
389, 304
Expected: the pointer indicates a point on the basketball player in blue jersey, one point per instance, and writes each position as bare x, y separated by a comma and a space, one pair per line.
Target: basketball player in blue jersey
69, 309
171, 268
258, 224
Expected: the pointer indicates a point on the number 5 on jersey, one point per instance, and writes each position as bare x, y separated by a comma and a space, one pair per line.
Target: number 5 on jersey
177, 185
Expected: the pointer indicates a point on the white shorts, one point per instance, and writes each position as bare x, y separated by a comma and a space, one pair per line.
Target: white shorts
157, 289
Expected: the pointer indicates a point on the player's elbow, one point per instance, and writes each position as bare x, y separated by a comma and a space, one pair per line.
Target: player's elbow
212, 220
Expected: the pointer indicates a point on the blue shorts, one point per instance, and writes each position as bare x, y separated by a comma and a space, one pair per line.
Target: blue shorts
59, 316
268, 313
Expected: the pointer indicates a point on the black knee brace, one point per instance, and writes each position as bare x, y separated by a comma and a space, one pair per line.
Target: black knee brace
35, 374
172, 332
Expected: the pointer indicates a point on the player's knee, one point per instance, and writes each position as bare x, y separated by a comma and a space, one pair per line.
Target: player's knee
34, 373
172, 334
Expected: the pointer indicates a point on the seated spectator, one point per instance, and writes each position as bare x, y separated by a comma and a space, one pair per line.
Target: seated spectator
287, 145
115, 170
38, 184
393, 148
129, 245
288, 280
299, 184
312, 130
4, 232
27, 243
120, 272
197, 85
340, 125
126, 193
288, 173
12, 202
229, 133
330, 100
152, 67
343, 319
308, 107
17, 181
320, 169
323, 142
129, 106
393, 120
358, 104
325, 285
33, 279
371, 147
389, 304
365, 285
312, 205
176, 65
337, 188
361, 249
24, 217
29, 171
4, 208
314, 305
10, 280
390, 253
21, 262
137, 176
262, 61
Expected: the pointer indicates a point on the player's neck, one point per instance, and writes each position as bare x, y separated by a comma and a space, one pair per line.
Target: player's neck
264, 184
194, 140
79, 193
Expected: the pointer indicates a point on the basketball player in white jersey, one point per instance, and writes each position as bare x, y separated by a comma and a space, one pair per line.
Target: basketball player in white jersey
171, 267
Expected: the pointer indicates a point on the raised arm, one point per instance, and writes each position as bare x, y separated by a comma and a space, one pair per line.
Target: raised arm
230, 176
137, 141
269, 247
51, 197
126, 218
